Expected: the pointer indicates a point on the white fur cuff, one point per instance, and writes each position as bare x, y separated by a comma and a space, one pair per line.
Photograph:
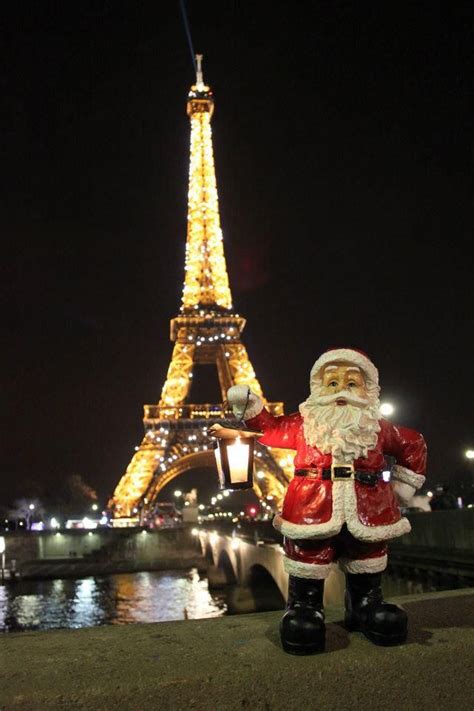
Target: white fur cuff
244, 402
369, 565
315, 530
307, 570
407, 476
403, 492
254, 407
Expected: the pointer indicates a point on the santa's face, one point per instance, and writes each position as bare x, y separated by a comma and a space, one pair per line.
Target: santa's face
341, 414
343, 379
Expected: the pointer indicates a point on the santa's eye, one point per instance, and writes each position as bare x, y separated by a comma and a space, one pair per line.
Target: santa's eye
352, 384
333, 384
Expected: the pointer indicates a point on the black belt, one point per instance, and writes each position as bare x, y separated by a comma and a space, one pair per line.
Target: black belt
342, 472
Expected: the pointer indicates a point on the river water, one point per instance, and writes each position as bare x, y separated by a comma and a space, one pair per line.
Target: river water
127, 598
109, 600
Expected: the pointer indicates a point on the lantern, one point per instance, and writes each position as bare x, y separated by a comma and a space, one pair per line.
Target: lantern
234, 452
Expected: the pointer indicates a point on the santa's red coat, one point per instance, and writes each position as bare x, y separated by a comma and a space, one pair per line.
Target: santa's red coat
317, 508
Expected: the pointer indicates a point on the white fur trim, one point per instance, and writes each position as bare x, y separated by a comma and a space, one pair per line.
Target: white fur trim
316, 530
369, 565
406, 475
403, 492
254, 408
369, 533
307, 570
344, 510
349, 356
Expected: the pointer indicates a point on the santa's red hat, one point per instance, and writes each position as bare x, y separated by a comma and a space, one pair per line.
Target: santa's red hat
348, 355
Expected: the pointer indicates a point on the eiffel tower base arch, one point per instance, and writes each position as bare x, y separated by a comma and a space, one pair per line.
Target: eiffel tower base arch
172, 448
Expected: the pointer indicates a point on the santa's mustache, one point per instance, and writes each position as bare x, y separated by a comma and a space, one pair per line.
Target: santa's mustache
350, 398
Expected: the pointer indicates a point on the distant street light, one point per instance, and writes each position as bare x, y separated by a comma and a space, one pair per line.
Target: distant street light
31, 508
94, 507
178, 493
387, 409
469, 453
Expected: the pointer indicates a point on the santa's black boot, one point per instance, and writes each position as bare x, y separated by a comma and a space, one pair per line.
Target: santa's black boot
302, 628
366, 610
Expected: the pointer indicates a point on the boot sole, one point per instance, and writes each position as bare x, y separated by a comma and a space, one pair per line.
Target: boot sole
303, 649
378, 638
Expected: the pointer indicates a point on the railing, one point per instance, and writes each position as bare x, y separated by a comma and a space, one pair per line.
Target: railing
254, 531
187, 412
194, 412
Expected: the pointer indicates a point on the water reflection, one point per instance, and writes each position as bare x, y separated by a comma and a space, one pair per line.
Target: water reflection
114, 599
133, 597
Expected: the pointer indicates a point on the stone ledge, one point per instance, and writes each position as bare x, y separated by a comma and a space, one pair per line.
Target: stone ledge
236, 662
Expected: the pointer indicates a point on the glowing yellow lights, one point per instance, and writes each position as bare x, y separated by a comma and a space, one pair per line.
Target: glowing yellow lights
206, 282
206, 332
177, 384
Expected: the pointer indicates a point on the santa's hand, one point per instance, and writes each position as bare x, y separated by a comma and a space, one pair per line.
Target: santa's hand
244, 403
403, 492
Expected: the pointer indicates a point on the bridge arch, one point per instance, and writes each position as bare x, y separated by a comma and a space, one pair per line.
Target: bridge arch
208, 554
229, 569
264, 589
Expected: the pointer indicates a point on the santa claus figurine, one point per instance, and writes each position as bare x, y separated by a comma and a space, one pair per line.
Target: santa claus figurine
338, 508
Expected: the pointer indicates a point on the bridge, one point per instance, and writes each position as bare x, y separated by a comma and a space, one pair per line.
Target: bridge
437, 554
245, 557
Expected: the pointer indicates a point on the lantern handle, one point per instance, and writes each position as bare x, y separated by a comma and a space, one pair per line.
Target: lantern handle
238, 429
246, 406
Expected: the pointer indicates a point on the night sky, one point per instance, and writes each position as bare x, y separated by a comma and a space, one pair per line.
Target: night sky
343, 138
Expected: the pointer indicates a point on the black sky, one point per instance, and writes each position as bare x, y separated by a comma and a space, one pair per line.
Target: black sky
343, 137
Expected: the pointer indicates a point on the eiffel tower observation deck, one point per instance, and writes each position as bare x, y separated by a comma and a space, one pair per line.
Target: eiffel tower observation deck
206, 331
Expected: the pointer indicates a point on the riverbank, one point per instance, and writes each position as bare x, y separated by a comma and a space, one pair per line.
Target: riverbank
237, 663
80, 553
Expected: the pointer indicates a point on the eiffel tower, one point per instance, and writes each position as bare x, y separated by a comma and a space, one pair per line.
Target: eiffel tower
206, 331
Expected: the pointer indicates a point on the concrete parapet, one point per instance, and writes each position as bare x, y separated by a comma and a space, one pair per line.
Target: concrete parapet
441, 530
235, 663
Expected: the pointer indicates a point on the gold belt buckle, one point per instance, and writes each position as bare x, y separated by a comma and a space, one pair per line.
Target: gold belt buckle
350, 467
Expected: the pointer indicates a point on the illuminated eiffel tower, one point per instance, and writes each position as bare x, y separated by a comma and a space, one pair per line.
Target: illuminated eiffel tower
207, 331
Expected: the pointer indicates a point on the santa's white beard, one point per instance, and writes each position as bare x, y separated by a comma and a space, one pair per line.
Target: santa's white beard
345, 431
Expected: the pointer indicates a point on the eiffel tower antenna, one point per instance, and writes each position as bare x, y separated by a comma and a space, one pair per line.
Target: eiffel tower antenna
206, 331
199, 79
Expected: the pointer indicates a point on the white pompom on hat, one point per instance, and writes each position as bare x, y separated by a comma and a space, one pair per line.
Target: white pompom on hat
347, 355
